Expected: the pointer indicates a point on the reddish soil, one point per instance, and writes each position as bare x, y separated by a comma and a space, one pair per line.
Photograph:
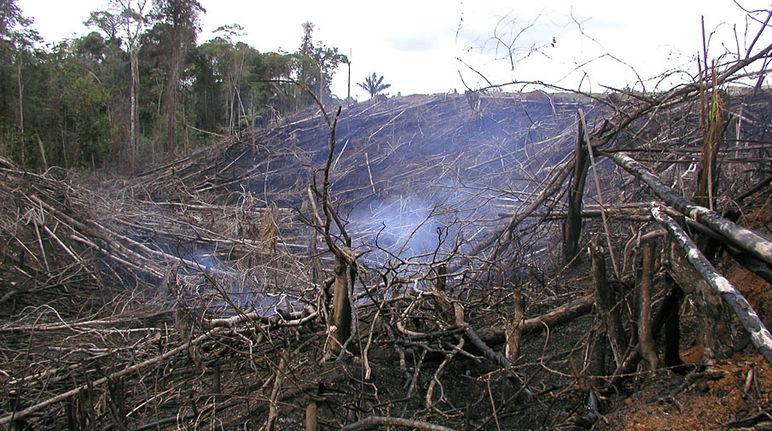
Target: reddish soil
727, 392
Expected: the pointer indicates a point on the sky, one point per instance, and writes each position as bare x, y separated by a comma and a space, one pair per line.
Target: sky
439, 46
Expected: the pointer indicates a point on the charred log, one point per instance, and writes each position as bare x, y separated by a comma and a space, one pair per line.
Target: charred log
746, 239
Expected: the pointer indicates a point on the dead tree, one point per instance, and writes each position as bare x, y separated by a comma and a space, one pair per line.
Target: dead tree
341, 305
572, 227
607, 302
340, 246
514, 329
671, 320
645, 336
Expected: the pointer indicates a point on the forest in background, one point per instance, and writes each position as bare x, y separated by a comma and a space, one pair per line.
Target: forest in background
140, 88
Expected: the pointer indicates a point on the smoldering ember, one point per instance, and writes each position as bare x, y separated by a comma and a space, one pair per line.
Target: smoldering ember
539, 259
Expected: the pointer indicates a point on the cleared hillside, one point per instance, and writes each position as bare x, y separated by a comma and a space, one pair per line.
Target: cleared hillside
200, 293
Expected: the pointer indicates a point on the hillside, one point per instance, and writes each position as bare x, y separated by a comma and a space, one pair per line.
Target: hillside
213, 292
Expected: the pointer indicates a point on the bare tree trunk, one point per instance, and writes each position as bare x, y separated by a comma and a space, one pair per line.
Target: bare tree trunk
607, 302
572, 228
672, 322
20, 87
341, 304
645, 337
134, 94
311, 419
515, 329
42, 149
442, 272
171, 94
597, 366
321, 85
348, 93
715, 331
230, 100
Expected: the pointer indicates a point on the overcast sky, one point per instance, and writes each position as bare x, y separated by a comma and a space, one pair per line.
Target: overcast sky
427, 46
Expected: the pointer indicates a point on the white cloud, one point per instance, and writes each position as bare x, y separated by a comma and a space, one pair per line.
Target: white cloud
414, 43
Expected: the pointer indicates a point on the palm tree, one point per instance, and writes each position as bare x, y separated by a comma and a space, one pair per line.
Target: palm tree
373, 84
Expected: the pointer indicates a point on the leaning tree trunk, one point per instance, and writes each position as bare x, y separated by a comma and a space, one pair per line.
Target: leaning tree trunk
743, 238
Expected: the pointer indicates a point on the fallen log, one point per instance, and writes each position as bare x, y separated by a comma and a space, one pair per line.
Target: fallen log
743, 238
218, 327
101, 381
758, 332
374, 422
750, 263
557, 316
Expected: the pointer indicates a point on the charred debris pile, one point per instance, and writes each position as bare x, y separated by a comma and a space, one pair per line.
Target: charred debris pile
477, 261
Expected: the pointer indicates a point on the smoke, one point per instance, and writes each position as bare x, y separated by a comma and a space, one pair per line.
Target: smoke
403, 226
203, 259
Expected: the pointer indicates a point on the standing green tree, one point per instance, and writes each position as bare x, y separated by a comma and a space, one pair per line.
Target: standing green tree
126, 19
327, 60
181, 18
54, 101
226, 61
373, 84
315, 66
16, 42
307, 42
72, 116
306, 70
251, 86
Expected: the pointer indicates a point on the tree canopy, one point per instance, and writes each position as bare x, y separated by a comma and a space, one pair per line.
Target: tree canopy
140, 86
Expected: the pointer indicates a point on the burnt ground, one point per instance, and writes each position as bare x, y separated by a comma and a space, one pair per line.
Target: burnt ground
195, 295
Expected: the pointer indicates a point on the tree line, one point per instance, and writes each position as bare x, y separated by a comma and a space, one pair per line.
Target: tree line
139, 87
